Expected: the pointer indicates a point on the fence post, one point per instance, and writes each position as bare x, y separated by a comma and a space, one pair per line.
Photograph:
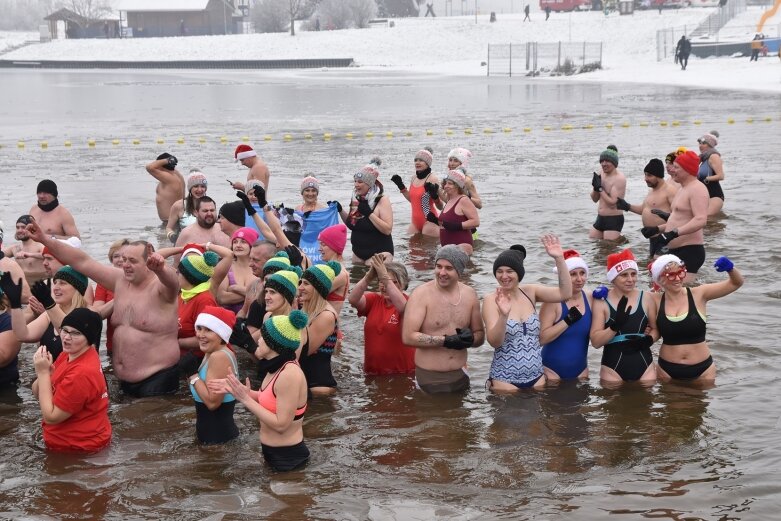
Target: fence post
488, 61
527, 55
558, 59
511, 60
583, 62
600, 54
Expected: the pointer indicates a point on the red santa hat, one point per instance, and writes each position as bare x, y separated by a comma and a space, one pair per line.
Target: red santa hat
219, 320
573, 260
618, 262
243, 152
192, 247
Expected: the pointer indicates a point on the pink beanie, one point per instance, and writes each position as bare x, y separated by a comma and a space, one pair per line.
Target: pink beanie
335, 237
246, 234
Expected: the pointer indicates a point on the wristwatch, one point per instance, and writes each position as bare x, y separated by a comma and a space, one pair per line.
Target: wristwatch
194, 379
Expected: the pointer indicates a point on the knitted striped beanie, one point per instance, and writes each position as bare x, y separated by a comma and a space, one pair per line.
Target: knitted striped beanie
285, 282
197, 269
283, 333
280, 261
322, 276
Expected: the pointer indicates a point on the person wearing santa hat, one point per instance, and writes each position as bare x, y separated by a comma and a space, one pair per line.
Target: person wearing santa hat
565, 326
624, 324
258, 170
682, 234
681, 320
214, 408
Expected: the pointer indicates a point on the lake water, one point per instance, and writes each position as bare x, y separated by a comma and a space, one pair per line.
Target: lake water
380, 449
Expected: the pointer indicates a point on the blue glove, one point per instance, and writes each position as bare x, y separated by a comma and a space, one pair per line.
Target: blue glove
723, 264
600, 293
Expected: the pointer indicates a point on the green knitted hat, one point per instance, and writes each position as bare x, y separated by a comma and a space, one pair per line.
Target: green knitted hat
322, 276
280, 261
283, 333
197, 269
72, 277
285, 282
609, 155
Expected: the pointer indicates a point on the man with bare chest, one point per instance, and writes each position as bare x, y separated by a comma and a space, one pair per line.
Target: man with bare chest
170, 186
442, 319
205, 228
258, 170
606, 189
27, 253
55, 220
657, 205
145, 348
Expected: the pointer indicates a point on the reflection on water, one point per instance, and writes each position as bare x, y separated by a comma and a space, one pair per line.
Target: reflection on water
380, 448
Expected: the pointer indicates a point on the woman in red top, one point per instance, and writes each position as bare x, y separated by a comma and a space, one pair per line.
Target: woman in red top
384, 352
72, 391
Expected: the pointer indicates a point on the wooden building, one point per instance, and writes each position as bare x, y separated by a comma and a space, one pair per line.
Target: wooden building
152, 18
64, 23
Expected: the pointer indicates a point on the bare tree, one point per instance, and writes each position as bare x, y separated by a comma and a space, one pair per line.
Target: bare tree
88, 9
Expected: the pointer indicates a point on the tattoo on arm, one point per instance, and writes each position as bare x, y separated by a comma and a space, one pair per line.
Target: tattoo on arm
427, 339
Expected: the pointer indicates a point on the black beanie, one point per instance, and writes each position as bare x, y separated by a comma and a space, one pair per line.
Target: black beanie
233, 212
655, 167
47, 186
513, 259
86, 322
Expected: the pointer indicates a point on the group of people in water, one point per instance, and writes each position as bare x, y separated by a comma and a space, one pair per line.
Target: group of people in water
270, 280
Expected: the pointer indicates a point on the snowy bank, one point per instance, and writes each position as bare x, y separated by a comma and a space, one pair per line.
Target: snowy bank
453, 46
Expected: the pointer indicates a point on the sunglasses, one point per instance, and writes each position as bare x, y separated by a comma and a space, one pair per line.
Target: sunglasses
679, 274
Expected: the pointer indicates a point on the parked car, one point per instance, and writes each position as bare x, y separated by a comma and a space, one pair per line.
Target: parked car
566, 5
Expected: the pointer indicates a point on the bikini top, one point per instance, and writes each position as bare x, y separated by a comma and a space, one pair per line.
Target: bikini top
689, 329
267, 398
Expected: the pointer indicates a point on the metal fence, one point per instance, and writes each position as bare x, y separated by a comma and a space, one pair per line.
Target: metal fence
667, 39
534, 58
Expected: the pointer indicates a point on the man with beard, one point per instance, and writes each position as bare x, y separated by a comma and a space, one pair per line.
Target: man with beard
606, 188
27, 253
657, 205
170, 187
442, 319
55, 220
145, 348
205, 228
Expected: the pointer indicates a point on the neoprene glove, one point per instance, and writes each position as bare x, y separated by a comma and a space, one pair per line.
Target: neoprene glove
596, 182
240, 336
364, 208
260, 194
12, 290
661, 213
600, 293
433, 190
461, 340
723, 264
396, 178
294, 254
621, 316
338, 205
42, 290
666, 237
247, 203
573, 315
649, 231
172, 162
430, 217
646, 341
452, 225
622, 205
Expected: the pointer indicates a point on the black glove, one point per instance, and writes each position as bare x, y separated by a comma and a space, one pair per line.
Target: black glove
338, 205
433, 190
573, 315
260, 194
396, 178
666, 237
172, 162
247, 203
461, 340
307, 214
596, 182
240, 336
2, 254
294, 254
430, 217
621, 316
661, 213
649, 231
364, 208
12, 290
42, 290
622, 205
452, 225
646, 341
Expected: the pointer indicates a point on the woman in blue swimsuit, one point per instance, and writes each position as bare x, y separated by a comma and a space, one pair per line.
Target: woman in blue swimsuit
512, 324
566, 326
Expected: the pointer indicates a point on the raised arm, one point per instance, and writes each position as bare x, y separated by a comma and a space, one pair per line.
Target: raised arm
165, 274
725, 287
564, 290
496, 309
356, 298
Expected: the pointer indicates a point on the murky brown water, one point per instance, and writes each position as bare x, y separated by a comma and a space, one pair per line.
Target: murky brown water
380, 449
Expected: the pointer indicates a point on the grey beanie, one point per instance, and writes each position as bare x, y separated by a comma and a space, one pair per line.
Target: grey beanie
454, 255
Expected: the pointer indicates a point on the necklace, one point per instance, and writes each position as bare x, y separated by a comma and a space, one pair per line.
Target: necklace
459, 298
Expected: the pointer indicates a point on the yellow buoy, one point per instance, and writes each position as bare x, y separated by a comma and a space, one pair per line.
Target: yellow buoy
488, 131
349, 135
201, 140
369, 135
307, 136
749, 120
245, 138
160, 141
662, 123
624, 125
546, 128
467, 131
566, 127
136, 142
223, 139
527, 129
408, 133
287, 137
114, 141
389, 134
180, 141
768, 119
267, 137
588, 126
730, 121
643, 123
448, 132
676, 123
697, 122
44, 144
91, 142
68, 143
429, 132
507, 130
327, 136
20, 144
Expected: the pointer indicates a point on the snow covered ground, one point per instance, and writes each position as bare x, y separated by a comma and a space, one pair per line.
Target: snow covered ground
458, 45
9, 39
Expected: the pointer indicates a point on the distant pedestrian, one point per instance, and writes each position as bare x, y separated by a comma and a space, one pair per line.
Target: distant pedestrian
105, 28
547, 12
756, 46
526, 12
182, 28
430, 9
682, 51
317, 23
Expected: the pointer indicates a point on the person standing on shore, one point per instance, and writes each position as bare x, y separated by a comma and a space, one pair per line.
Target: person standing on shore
606, 189
526, 13
682, 51
170, 186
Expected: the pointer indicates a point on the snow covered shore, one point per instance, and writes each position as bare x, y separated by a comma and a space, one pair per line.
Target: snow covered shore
456, 46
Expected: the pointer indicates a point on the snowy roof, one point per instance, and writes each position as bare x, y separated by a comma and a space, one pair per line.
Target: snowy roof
158, 6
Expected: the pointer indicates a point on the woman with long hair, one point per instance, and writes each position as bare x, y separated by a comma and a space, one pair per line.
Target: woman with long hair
232, 285
332, 241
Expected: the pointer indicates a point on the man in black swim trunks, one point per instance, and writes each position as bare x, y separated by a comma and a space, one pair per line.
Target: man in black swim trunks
606, 189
